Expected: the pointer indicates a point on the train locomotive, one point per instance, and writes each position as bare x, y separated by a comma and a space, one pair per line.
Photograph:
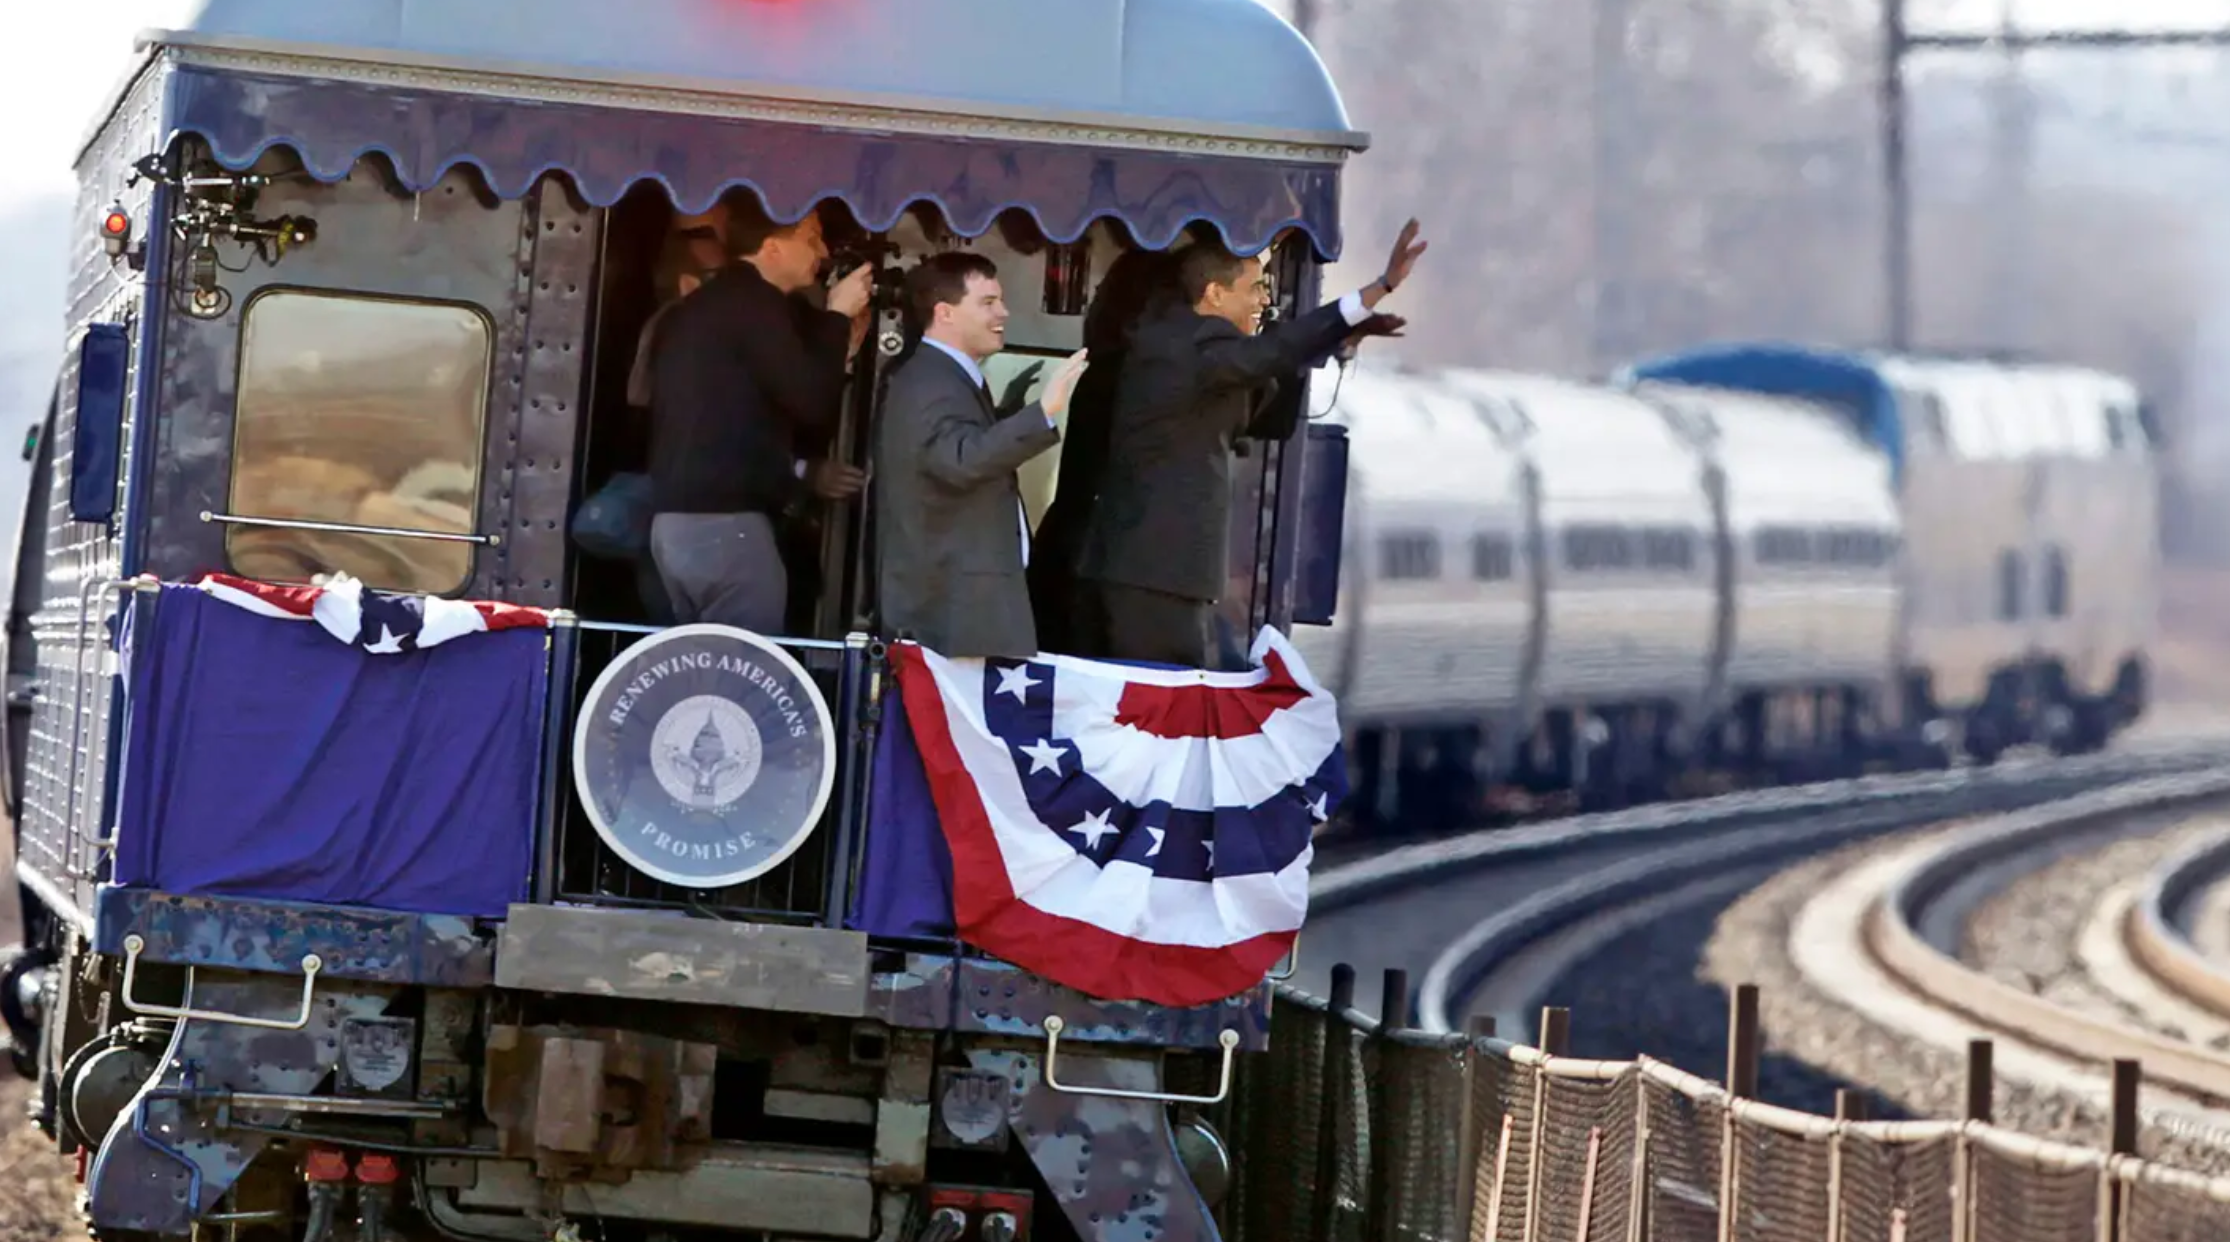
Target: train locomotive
354, 298
1755, 562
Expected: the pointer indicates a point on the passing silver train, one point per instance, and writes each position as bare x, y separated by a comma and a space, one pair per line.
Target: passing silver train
1756, 562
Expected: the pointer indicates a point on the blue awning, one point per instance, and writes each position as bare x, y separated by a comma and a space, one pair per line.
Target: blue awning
331, 125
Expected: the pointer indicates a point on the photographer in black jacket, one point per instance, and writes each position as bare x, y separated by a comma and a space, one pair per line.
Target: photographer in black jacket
742, 369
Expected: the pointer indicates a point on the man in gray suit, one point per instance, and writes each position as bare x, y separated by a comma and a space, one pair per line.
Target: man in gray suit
952, 537
1152, 561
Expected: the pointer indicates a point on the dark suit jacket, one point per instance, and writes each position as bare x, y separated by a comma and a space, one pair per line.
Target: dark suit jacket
1187, 390
1075, 491
949, 514
739, 372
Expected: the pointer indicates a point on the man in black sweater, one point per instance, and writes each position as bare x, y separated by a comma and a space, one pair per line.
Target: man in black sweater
742, 368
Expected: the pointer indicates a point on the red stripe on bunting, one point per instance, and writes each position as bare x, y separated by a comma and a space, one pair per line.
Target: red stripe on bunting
988, 915
501, 616
300, 600
1222, 712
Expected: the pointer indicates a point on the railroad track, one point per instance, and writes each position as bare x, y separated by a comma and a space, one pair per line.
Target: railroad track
1489, 920
2177, 931
1887, 937
1496, 908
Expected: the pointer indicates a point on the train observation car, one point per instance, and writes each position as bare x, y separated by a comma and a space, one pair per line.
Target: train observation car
2028, 496
376, 917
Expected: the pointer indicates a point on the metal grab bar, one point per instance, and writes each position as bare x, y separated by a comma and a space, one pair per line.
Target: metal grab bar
134, 946
1053, 1028
1292, 962
81, 637
349, 528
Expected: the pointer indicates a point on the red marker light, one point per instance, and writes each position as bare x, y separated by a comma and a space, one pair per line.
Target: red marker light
116, 232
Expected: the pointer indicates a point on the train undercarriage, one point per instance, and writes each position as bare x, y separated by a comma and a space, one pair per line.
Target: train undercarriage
1442, 776
409, 1080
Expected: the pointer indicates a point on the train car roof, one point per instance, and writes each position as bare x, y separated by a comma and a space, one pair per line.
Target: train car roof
1160, 114
1980, 399
1205, 66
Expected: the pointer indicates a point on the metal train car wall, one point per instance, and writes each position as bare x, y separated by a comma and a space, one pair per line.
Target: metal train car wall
1758, 560
356, 290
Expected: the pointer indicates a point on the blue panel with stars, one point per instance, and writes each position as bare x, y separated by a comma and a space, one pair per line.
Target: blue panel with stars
1172, 843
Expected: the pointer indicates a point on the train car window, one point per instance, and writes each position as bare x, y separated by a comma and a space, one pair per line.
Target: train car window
1493, 558
1591, 548
1668, 548
1408, 556
2055, 581
1781, 545
2148, 425
1929, 420
2009, 585
1855, 547
366, 411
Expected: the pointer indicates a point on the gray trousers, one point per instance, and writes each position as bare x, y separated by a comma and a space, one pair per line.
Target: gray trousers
723, 568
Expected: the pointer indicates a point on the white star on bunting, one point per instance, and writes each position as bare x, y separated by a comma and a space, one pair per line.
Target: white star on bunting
1017, 682
1044, 757
1094, 827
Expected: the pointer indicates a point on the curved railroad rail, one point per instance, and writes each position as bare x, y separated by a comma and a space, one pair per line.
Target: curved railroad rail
1894, 935
2159, 925
1626, 857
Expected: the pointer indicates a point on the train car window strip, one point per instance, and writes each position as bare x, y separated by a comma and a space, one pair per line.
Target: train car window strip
1843, 547
1408, 556
1589, 548
1493, 558
1594, 548
1668, 548
359, 413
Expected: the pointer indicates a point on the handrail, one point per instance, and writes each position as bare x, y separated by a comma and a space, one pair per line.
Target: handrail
134, 946
92, 586
1228, 1038
350, 528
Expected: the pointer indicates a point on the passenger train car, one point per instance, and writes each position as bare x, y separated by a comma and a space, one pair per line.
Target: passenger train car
1759, 561
354, 298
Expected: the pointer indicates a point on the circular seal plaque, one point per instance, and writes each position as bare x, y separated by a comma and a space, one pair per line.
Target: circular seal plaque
704, 755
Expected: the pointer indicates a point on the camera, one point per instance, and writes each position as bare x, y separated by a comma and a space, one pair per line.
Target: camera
888, 291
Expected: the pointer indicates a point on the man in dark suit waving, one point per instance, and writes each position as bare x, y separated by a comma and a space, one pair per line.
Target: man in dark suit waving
952, 537
1153, 555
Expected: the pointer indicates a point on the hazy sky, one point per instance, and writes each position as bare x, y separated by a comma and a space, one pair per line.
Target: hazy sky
59, 62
